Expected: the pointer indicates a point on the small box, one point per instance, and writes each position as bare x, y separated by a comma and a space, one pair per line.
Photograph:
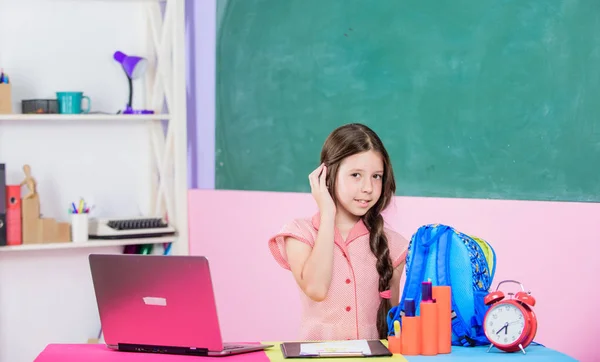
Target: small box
5, 99
39, 106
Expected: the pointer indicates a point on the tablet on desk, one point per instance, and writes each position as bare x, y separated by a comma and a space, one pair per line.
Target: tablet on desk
354, 348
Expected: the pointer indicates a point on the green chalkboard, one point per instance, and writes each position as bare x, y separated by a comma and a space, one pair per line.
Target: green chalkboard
473, 98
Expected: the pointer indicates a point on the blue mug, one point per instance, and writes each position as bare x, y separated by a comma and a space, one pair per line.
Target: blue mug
70, 102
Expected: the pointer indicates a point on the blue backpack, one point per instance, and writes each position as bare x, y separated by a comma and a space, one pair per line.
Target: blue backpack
448, 257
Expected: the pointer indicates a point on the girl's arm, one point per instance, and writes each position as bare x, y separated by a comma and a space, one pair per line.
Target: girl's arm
395, 284
312, 267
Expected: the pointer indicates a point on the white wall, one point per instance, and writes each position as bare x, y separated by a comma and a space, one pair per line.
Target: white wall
47, 46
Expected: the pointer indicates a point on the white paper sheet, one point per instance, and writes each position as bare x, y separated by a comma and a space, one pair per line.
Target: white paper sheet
341, 347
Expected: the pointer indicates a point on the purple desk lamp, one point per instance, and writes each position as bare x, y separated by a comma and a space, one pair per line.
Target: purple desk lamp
134, 67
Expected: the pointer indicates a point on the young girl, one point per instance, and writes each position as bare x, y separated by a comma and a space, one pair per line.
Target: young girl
345, 261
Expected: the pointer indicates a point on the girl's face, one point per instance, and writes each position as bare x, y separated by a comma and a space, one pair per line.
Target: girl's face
359, 182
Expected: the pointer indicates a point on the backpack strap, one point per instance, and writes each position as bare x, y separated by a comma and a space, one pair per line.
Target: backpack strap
480, 310
461, 328
421, 241
394, 314
419, 244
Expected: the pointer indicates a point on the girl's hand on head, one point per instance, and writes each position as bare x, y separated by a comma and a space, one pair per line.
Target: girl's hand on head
320, 192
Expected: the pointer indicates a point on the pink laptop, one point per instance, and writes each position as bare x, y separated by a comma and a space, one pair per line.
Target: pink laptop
159, 304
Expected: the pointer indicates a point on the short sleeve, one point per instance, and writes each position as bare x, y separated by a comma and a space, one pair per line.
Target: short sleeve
398, 247
298, 229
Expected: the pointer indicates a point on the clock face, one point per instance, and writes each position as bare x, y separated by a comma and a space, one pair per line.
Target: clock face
504, 324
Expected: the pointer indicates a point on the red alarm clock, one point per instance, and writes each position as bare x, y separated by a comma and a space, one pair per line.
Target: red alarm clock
510, 324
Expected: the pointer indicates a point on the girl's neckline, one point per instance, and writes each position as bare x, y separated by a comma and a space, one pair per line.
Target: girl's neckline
359, 229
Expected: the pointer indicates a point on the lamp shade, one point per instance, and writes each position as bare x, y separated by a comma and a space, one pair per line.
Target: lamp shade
133, 66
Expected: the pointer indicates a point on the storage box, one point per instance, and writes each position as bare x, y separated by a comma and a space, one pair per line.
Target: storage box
39, 106
5, 99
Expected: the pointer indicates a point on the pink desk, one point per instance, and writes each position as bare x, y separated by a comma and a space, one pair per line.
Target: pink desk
98, 352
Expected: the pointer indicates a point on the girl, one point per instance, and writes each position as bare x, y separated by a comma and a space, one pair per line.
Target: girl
345, 261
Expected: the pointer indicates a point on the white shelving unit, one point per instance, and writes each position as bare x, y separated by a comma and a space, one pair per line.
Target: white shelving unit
127, 165
165, 94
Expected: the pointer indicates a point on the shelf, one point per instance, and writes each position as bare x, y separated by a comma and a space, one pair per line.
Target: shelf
84, 117
126, 1
88, 244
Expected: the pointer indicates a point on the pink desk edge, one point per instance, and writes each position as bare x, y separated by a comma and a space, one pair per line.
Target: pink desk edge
99, 352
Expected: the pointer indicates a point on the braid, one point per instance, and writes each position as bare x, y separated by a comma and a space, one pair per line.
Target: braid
379, 246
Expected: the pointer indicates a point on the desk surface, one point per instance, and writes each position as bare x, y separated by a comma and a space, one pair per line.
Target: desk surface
98, 352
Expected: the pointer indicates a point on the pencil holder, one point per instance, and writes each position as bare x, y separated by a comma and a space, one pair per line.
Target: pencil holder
411, 336
443, 297
79, 228
395, 344
5, 99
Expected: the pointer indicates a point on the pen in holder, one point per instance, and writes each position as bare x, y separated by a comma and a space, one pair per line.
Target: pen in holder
79, 222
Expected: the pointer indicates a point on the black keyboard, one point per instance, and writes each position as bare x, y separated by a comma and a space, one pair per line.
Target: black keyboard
129, 227
136, 224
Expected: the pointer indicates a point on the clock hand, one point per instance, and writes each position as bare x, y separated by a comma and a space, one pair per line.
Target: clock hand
504, 327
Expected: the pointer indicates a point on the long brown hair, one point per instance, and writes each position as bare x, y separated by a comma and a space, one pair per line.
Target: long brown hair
346, 141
